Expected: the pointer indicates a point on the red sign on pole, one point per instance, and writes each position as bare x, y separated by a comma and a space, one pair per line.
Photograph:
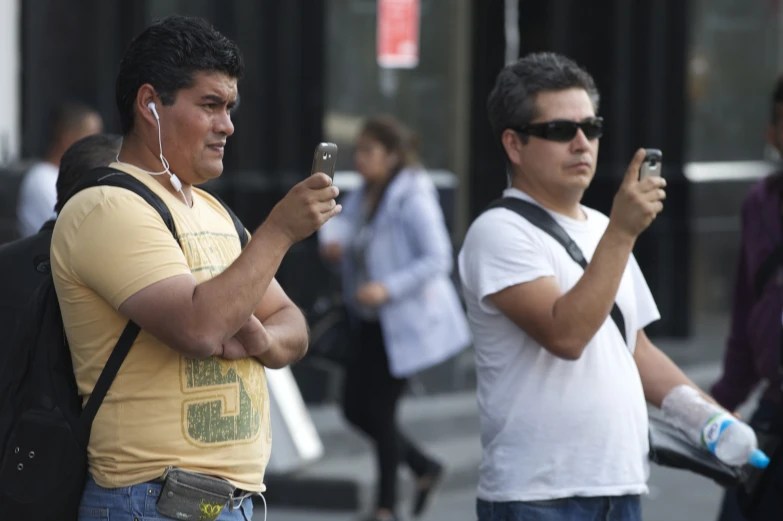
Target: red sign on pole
398, 33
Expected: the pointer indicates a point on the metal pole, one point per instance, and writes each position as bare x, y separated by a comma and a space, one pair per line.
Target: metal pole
461, 110
10, 79
512, 30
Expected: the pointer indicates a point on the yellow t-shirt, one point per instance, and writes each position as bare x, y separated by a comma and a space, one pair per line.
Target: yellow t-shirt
163, 409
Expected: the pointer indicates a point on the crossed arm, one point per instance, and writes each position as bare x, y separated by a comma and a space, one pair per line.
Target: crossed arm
276, 334
240, 313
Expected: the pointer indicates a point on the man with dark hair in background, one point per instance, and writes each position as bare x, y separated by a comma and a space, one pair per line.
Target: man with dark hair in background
25, 262
37, 195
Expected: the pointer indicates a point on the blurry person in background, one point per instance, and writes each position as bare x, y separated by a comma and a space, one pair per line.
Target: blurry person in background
753, 347
396, 258
37, 196
25, 262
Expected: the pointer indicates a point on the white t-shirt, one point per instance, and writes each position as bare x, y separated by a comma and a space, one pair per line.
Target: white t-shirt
552, 428
37, 197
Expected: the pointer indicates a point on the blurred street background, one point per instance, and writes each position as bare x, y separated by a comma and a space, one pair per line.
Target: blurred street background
690, 77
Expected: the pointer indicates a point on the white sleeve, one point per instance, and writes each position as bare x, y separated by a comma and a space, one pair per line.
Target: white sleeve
338, 230
341, 228
646, 309
501, 250
37, 198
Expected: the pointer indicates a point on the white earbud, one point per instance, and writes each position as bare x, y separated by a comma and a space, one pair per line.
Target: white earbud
151, 106
173, 179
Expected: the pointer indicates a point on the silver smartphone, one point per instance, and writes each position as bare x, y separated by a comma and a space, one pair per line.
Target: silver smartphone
652, 164
324, 159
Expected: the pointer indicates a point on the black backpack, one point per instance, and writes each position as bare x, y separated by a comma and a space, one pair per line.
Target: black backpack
44, 431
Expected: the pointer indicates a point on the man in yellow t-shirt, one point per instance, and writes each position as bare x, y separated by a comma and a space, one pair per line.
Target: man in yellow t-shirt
192, 392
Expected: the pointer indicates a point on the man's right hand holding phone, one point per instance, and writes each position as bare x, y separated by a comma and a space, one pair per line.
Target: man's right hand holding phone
637, 203
305, 208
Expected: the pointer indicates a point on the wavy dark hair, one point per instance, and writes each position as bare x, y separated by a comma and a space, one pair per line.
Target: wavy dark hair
166, 55
512, 102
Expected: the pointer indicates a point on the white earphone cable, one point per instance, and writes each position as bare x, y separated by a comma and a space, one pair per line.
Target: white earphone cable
175, 182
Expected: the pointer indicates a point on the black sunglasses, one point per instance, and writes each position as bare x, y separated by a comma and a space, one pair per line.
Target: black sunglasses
564, 130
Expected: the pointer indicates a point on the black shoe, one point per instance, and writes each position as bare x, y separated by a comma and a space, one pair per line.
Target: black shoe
424, 495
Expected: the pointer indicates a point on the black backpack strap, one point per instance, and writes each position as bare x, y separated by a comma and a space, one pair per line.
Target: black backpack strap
238, 226
105, 176
110, 370
542, 220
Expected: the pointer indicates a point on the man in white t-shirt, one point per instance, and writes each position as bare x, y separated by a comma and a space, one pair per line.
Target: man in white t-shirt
69, 123
561, 393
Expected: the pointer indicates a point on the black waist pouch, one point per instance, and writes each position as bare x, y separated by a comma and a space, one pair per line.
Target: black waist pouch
193, 496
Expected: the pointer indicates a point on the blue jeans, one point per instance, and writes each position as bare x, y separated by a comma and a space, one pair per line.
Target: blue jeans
620, 508
137, 503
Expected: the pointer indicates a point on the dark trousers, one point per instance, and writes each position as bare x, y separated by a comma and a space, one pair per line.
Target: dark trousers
370, 397
619, 508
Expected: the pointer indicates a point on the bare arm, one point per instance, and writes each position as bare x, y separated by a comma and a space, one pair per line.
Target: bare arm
565, 323
290, 335
658, 373
197, 319
287, 335
276, 334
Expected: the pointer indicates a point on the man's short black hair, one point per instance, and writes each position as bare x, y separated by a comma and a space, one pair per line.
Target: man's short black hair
166, 55
512, 102
65, 117
84, 155
777, 99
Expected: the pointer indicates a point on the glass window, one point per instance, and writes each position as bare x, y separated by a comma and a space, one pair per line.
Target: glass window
427, 98
733, 60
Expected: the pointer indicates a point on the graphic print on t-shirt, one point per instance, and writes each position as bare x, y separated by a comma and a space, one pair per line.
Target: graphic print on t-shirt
225, 399
208, 251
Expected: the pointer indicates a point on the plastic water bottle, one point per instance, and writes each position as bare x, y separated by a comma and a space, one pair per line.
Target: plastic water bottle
707, 425
732, 441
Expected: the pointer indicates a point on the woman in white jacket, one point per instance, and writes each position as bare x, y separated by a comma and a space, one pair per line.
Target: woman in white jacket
396, 258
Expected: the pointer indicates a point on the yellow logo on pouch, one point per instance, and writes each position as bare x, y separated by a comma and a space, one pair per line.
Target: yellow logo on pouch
210, 512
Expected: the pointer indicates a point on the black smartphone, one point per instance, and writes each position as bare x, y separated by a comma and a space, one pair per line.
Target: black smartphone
652, 164
324, 159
